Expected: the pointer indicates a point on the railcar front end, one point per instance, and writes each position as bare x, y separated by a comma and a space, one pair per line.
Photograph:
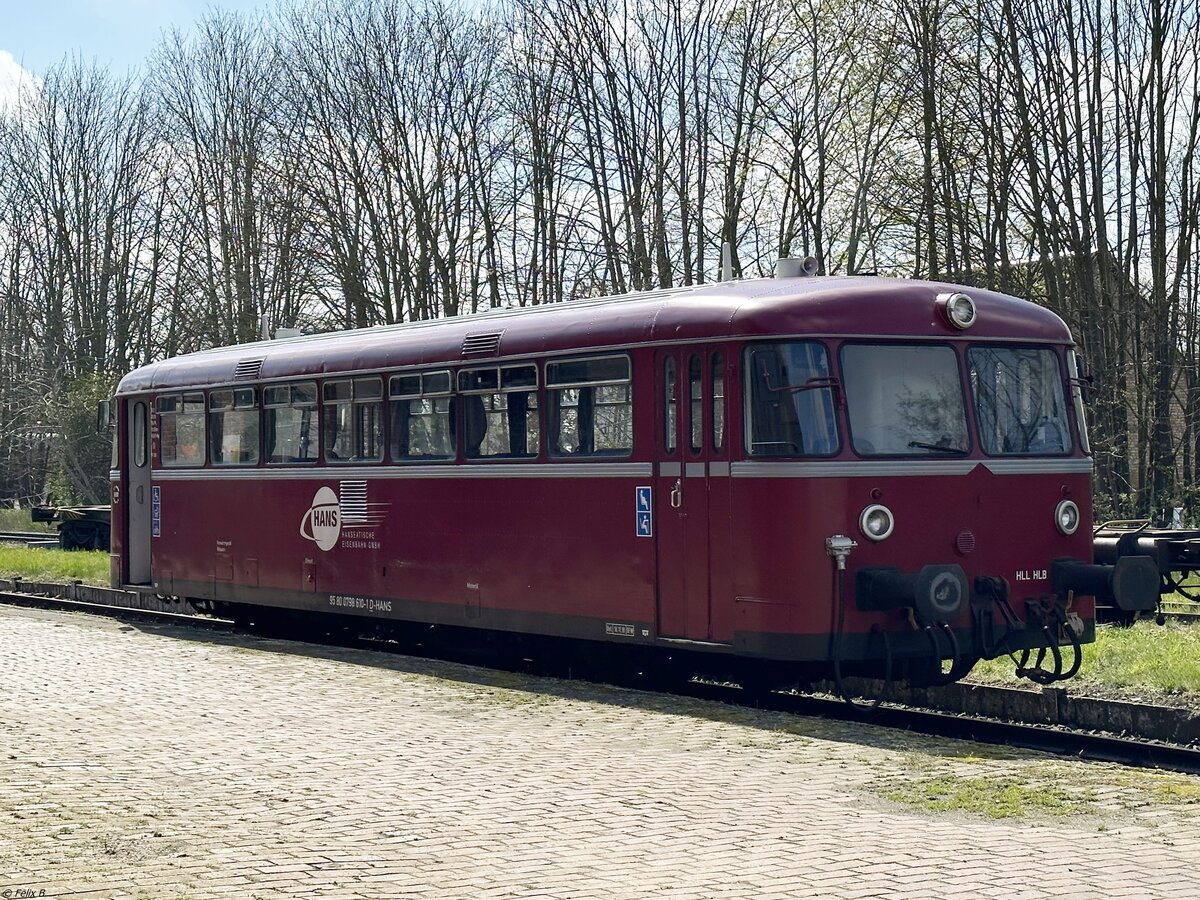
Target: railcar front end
926, 486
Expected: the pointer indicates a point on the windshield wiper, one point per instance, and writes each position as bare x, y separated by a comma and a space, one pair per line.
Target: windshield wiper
940, 448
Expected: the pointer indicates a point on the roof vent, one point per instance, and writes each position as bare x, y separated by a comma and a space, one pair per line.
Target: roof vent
487, 344
794, 267
248, 368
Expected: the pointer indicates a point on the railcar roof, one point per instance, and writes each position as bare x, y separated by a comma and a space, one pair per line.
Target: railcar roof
852, 306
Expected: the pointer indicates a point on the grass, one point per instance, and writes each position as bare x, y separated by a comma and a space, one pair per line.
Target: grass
1178, 791
88, 566
1145, 657
997, 797
1025, 787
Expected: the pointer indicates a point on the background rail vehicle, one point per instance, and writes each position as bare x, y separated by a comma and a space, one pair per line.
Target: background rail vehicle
79, 527
790, 477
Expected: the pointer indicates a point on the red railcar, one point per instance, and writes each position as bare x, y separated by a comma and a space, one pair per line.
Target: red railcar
807, 471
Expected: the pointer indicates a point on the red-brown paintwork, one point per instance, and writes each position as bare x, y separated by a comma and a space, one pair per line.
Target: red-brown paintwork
744, 556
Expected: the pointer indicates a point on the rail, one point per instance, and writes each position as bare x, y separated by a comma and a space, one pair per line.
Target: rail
28, 537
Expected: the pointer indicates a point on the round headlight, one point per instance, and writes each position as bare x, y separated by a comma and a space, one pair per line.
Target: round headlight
1066, 517
876, 522
959, 309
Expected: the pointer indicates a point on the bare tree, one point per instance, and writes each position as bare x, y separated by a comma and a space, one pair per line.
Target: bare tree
235, 185
80, 271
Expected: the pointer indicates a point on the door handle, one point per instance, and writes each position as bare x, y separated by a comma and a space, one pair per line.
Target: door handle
677, 494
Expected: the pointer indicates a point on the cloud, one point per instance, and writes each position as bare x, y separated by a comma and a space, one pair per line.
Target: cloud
13, 80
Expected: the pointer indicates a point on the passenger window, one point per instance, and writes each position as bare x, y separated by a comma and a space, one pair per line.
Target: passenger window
290, 423
352, 420
500, 411
669, 411
233, 427
141, 437
718, 402
591, 407
181, 429
422, 410
696, 403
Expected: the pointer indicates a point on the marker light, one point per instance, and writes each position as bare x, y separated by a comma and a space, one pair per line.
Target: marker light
1066, 516
959, 309
876, 522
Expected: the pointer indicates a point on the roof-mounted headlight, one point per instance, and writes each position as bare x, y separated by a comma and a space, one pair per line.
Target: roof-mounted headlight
1066, 517
958, 309
876, 521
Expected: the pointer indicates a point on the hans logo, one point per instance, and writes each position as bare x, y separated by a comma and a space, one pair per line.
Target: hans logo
322, 523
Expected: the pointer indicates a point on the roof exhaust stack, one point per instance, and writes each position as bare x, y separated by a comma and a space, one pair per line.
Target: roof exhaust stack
726, 261
794, 267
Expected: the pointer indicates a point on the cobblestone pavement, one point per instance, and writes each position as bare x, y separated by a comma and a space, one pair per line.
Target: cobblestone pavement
163, 762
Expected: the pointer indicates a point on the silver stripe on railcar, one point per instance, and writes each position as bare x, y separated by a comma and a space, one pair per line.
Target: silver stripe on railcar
908, 468
375, 473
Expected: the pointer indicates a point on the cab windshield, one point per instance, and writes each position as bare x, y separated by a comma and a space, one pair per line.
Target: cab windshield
1019, 400
904, 400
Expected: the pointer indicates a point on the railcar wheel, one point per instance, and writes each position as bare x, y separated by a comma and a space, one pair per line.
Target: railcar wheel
652, 671
963, 667
101, 538
265, 622
1185, 584
758, 679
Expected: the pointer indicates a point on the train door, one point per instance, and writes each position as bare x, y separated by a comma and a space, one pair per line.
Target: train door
137, 491
685, 415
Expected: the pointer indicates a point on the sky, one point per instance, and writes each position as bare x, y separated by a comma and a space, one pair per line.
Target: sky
120, 34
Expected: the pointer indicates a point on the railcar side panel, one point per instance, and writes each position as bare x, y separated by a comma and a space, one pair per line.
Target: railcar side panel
485, 548
782, 577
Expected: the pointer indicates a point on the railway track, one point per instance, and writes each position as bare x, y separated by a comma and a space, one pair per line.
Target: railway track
1175, 612
1092, 745
1063, 742
27, 537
